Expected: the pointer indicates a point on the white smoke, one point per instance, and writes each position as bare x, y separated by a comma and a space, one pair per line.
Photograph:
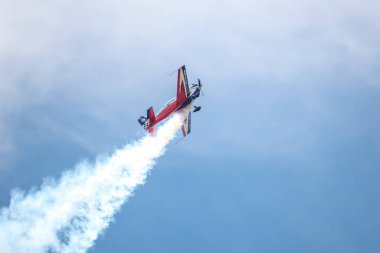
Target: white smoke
68, 215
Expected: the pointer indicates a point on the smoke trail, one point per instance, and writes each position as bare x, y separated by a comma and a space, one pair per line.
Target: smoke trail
68, 215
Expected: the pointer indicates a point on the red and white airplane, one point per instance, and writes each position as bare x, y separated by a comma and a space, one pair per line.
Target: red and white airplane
185, 97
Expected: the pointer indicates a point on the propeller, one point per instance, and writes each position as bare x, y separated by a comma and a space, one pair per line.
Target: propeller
200, 86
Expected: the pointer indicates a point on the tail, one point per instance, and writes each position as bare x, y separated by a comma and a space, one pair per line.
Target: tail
148, 122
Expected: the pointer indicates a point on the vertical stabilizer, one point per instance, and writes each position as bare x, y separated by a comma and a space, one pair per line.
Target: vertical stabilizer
150, 115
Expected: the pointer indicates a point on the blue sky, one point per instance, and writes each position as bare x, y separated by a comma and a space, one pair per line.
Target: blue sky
283, 156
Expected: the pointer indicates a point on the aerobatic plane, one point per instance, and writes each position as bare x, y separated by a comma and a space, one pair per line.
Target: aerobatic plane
185, 97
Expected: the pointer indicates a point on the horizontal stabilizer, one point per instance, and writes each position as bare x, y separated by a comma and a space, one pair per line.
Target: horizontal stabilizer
148, 122
144, 122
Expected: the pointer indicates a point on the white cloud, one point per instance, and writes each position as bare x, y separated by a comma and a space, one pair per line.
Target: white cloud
107, 58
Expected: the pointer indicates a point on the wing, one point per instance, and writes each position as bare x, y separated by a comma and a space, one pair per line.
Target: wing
182, 85
186, 127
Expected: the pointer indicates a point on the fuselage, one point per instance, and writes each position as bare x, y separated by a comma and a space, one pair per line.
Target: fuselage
173, 105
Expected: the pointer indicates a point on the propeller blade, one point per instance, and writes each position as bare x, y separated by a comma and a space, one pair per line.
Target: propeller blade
200, 86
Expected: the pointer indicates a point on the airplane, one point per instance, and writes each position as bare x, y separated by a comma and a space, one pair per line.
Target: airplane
185, 97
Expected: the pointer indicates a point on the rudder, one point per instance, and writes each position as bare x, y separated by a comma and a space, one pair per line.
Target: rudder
150, 115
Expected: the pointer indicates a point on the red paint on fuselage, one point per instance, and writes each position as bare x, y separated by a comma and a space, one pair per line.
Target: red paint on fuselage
167, 112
